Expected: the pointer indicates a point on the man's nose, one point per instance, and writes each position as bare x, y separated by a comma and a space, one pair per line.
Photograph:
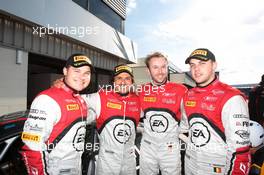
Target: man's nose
196, 67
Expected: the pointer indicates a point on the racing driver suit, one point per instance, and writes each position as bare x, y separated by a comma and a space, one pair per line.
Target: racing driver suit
116, 117
217, 120
160, 149
54, 133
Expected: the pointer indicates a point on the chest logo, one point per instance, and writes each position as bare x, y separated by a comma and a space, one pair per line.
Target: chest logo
150, 99
158, 123
122, 132
113, 105
190, 103
78, 140
200, 134
72, 107
168, 101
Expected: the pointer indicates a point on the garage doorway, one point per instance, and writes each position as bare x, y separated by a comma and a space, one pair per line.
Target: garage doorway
42, 71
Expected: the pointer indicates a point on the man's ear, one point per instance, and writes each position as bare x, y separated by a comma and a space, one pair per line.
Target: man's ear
65, 71
147, 71
214, 65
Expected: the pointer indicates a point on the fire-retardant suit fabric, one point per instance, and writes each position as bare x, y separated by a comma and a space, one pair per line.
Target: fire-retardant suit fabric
217, 120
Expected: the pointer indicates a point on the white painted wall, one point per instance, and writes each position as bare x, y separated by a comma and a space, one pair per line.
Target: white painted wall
13, 81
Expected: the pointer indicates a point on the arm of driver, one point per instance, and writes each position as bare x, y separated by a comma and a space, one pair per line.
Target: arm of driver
235, 120
184, 124
44, 114
93, 102
140, 127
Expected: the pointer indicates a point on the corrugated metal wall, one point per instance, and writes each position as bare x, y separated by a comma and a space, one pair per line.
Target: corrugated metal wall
19, 34
118, 6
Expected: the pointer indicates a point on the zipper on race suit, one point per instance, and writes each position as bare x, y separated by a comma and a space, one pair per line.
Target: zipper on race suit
124, 119
124, 122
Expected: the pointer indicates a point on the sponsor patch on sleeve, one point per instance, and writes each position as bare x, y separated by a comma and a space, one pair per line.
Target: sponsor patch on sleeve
30, 137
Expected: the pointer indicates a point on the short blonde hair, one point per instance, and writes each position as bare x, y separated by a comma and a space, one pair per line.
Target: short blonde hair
154, 54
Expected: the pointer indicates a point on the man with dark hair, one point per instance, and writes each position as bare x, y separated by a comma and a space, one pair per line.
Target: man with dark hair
256, 103
116, 112
161, 115
216, 118
55, 129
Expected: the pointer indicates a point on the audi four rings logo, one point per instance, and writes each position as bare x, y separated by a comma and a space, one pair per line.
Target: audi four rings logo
122, 132
158, 123
200, 134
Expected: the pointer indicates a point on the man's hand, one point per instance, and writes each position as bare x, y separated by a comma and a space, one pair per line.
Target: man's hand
58, 83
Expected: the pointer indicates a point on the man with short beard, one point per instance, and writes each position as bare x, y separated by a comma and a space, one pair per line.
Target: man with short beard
161, 115
216, 117
116, 112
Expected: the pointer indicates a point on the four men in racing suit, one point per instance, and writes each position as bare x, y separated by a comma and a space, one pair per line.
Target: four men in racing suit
55, 129
117, 113
215, 116
217, 120
160, 103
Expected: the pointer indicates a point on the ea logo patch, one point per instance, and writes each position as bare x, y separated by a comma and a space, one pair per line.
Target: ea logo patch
122, 132
78, 140
158, 123
200, 134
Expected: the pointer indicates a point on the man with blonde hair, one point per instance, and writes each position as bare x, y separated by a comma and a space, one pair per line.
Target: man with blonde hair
161, 114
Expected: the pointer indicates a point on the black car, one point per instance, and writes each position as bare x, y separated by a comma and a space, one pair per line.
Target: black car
11, 126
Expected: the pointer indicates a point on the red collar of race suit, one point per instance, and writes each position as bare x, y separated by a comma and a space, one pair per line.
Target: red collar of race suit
208, 87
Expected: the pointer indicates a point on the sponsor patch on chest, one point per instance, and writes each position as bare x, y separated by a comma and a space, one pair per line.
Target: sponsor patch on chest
150, 99
133, 109
72, 107
122, 132
190, 103
169, 94
168, 101
209, 107
113, 105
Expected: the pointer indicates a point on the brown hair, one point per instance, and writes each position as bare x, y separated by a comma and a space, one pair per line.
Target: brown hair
152, 55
